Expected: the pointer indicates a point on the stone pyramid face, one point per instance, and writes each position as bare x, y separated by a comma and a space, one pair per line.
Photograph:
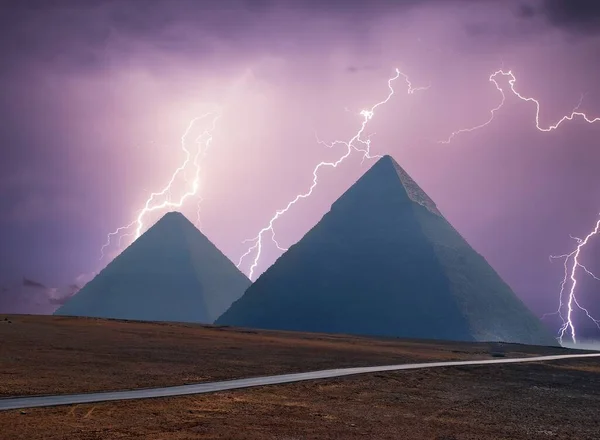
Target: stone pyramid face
384, 261
171, 273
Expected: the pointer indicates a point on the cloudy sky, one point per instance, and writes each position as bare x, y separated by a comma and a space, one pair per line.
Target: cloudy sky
96, 95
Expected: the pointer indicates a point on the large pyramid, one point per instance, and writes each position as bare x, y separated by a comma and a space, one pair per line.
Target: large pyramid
171, 273
384, 261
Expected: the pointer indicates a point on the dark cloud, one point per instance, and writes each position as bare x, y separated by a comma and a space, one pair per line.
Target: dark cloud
521, 24
526, 11
579, 16
354, 69
34, 297
84, 34
31, 283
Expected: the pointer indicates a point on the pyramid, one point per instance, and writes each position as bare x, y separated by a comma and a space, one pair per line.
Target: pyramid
170, 273
384, 261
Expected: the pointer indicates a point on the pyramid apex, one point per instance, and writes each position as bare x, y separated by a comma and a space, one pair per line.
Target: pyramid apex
173, 217
387, 179
173, 214
390, 160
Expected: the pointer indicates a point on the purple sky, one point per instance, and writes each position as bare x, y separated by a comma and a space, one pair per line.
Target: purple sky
95, 96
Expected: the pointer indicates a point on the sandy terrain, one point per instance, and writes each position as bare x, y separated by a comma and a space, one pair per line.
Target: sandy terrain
46, 355
520, 402
559, 400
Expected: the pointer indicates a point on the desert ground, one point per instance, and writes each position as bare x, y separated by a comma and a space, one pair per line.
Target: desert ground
47, 355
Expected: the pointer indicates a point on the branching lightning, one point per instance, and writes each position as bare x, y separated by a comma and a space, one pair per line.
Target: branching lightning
512, 81
357, 143
571, 265
493, 111
153, 203
571, 260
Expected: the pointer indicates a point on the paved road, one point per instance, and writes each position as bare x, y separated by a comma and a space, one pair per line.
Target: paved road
210, 387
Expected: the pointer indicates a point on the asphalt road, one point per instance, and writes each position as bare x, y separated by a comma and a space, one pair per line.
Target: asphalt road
210, 387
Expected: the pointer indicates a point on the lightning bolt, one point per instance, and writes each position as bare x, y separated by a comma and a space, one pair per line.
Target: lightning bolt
512, 80
574, 114
571, 260
202, 142
571, 265
493, 111
357, 143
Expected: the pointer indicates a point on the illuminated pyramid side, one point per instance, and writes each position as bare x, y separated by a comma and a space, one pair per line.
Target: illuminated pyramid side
171, 273
384, 261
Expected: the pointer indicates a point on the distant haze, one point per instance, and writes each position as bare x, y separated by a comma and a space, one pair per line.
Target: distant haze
584, 345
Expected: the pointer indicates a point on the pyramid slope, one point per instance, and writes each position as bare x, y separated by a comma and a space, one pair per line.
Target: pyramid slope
384, 261
171, 273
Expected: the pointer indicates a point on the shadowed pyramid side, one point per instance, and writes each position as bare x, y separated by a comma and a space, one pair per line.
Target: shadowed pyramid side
378, 263
493, 310
171, 273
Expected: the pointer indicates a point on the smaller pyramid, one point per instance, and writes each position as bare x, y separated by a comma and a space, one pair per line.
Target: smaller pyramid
170, 273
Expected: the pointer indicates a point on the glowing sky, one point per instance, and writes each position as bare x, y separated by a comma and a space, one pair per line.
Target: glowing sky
95, 97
